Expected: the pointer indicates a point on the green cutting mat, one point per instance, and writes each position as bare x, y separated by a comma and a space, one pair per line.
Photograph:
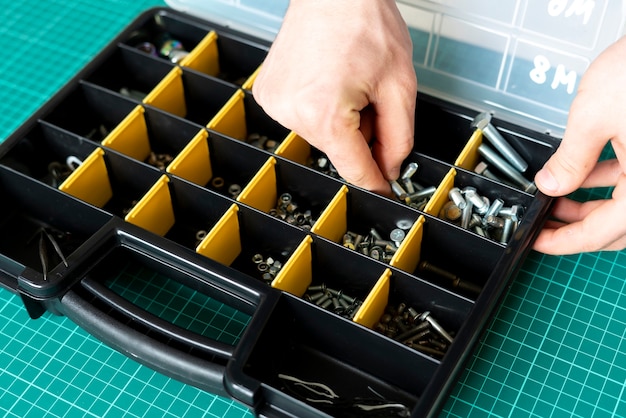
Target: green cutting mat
556, 347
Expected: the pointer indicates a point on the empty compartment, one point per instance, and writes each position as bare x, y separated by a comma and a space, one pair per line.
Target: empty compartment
41, 226
226, 57
151, 136
218, 163
441, 132
251, 242
90, 111
301, 345
178, 210
166, 36
366, 223
48, 154
413, 313
243, 119
451, 257
110, 181
289, 192
329, 276
190, 95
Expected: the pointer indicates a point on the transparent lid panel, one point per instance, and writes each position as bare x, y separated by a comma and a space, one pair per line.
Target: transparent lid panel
521, 59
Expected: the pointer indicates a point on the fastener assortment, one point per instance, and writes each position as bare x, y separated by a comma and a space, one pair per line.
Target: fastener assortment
160, 158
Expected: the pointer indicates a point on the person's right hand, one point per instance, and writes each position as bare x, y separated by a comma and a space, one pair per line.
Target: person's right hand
339, 74
597, 115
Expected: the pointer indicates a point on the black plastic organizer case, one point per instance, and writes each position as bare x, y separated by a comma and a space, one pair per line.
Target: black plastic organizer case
157, 157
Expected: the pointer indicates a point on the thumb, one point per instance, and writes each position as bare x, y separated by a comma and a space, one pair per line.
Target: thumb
577, 154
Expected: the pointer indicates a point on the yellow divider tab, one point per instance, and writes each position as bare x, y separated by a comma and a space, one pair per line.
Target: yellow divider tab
154, 212
295, 149
469, 157
333, 222
204, 57
223, 242
250, 81
261, 192
297, 273
169, 94
130, 137
230, 120
408, 255
375, 303
193, 163
90, 181
440, 197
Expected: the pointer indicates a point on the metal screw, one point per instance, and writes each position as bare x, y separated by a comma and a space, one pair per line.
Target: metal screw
397, 236
483, 123
492, 157
438, 328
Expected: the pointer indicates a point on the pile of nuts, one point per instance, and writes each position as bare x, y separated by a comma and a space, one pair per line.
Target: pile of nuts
159, 161
288, 210
263, 142
333, 300
268, 267
419, 331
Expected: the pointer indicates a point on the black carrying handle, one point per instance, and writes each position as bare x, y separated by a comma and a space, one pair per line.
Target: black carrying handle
156, 355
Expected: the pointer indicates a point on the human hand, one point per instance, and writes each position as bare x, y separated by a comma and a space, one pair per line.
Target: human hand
596, 116
339, 74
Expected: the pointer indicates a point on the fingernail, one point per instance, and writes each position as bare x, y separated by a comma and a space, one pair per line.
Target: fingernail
546, 181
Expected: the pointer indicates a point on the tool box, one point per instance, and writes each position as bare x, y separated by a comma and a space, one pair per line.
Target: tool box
155, 161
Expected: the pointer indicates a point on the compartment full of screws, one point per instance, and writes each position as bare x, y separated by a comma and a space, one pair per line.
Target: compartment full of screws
418, 330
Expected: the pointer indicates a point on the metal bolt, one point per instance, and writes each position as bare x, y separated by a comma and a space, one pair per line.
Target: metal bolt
426, 192
438, 328
492, 157
507, 230
451, 212
409, 170
457, 197
495, 207
483, 123
398, 190
404, 224
480, 205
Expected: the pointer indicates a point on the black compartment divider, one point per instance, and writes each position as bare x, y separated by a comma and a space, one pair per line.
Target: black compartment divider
117, 209
129, 72
90, 111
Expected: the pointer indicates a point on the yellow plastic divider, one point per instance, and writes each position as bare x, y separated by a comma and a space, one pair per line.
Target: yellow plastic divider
440, 197
223, 242
333, 221
375, 303
230, 120
295, 149
469, 157
297, 273
250, 81
154, 212
169, 94
261, 193
130, 137
204, 57
193, 163
90, 181
408, 255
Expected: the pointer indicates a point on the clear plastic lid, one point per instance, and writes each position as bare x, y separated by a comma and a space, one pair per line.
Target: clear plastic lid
521, 59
